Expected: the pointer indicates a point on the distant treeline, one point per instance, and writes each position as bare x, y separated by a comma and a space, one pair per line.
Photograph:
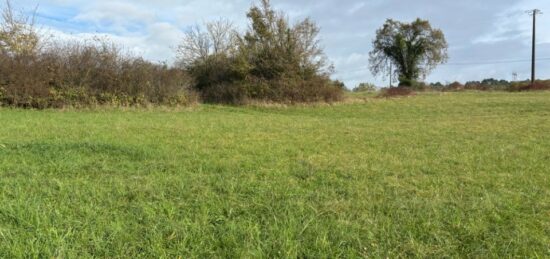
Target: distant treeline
271, 62
489, 84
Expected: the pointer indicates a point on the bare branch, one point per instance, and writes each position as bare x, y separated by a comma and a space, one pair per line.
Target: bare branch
18, 35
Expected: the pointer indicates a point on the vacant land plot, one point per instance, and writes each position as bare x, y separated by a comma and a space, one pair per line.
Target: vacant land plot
458, 174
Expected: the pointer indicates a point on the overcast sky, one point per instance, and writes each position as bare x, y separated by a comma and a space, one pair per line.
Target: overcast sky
484, 36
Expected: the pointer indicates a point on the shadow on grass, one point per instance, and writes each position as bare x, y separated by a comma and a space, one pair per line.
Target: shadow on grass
54, 149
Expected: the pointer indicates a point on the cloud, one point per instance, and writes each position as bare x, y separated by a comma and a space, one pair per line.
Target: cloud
119, 15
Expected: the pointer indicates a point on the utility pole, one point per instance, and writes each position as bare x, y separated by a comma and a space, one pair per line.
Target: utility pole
534, 13
391, 68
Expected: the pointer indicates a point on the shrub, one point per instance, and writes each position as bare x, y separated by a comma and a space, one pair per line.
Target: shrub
272, 61
539, 85
473, 85
411, 83
365, 87
437, 86
79, 74
489, 84
38, 75
454, 86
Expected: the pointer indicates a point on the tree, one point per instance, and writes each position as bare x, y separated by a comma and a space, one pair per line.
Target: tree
273, 60
274, 48
219, 38
414, 49
18, 35
210, 56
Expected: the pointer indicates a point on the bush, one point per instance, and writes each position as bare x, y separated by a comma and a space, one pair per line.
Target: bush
272, 61
455, 86
539, 85
80, 74
218, 80
364, 87
489, 84
38, 74
397, 92
410, 83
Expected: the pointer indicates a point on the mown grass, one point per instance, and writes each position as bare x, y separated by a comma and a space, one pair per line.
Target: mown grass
435, 175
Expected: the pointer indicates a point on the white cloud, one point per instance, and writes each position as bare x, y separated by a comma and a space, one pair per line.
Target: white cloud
115, 14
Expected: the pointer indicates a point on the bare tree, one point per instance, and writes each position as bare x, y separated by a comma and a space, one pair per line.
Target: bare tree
309, 48
198, 44
18, 34
222, 35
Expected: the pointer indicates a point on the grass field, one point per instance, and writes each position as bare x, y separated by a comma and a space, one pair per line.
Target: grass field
436, 175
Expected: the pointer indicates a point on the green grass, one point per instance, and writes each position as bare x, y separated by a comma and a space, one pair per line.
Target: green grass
451, 175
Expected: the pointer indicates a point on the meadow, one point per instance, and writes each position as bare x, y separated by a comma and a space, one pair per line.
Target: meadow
434, 175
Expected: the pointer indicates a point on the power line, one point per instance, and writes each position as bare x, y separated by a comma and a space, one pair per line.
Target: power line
468, 63
465, 63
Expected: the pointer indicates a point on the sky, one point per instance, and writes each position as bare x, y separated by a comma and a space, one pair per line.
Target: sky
487, 39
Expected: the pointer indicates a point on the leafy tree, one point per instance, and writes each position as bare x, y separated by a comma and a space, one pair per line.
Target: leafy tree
414, 49
365, 87
340, 85
437, 85
494, 82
